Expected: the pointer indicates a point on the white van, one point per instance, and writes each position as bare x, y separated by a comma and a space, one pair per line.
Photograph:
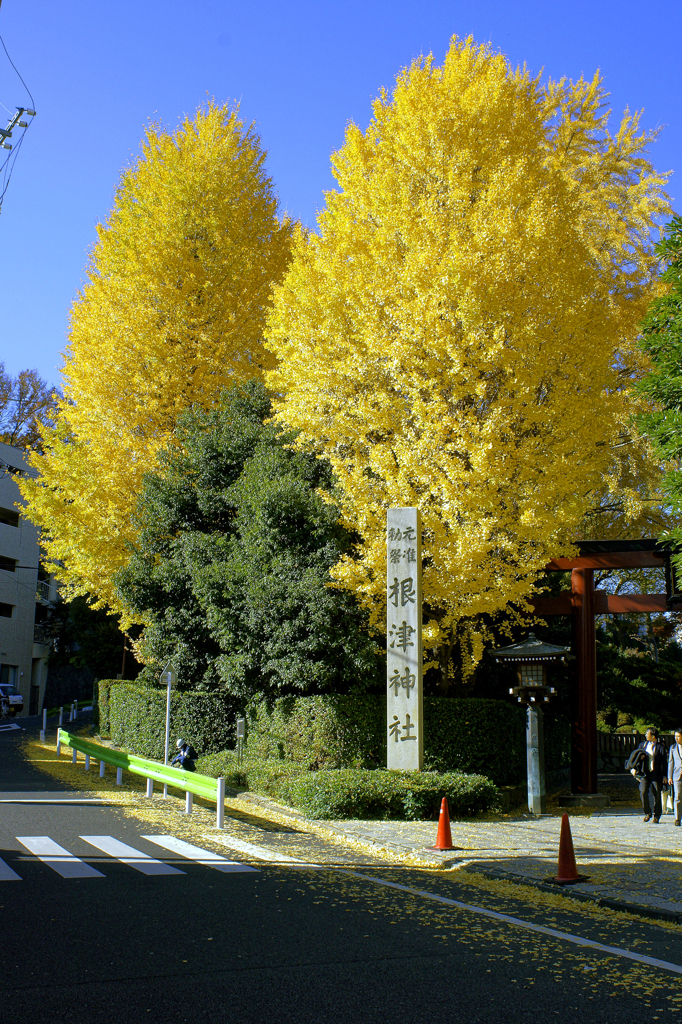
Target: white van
10, 694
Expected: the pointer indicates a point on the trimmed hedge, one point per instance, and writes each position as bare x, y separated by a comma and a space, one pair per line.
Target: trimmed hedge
354, 792
319, 732
223, 764
474, 735
137, 719
102, 697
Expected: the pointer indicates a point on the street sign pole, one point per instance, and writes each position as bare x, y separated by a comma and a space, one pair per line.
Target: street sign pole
170, 680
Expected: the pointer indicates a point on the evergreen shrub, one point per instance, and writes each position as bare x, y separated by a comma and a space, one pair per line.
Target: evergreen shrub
354, 792
474, 735
357, 793
101, 700
137, 719
325, 731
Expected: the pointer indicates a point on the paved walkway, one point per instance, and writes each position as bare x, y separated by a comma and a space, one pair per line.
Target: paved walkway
629, 864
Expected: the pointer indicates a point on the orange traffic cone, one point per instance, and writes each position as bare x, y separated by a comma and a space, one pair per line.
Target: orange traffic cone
567, 871
444, 837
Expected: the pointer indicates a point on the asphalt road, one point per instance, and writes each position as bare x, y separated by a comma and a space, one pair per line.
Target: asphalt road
291, 944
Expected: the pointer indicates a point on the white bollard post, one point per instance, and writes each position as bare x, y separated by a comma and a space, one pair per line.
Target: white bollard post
75, 710
74, 756
150, 788
220, 804
61, 717
119, 776
87, 762
165, 791
102, 766
188, 803
71, 713
59, 745
44, 728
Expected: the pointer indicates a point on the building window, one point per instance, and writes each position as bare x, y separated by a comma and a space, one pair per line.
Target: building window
9, 517
9, 675
6, 610
8, 564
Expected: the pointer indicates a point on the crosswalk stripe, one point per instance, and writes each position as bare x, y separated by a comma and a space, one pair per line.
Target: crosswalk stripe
196, 853
6, 873
130, 856
59, 859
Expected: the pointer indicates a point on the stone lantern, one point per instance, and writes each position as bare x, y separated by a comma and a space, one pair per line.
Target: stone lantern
531, 658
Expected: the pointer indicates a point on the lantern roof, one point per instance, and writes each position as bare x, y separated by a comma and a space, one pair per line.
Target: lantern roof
530, 650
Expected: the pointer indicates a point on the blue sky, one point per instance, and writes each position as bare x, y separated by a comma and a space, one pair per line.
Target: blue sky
301, 70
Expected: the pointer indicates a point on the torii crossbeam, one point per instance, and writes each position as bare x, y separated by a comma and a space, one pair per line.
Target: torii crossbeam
583, 602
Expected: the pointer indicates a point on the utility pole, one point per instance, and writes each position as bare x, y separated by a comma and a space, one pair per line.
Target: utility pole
14, 122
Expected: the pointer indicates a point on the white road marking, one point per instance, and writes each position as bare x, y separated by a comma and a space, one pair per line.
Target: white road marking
6, 873
5, 728
90, 801
518, 922
259, 852
59, 859
130, 856
196, 853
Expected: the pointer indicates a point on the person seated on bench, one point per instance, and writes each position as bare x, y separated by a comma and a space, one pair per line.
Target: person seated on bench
186, 756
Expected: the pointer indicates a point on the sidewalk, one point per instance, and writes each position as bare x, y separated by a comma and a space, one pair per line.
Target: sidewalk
631, 866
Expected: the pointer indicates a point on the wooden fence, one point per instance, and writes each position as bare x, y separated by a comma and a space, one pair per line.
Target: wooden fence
614, 748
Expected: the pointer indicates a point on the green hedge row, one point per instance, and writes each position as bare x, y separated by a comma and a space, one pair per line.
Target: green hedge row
483, 737
319, 732
355, 792
136, 718
102, 698
475, 736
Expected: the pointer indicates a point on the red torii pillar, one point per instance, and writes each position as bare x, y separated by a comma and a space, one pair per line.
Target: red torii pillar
584, 725
583, 602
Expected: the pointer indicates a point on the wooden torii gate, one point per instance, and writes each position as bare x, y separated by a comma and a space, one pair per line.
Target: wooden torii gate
583, 602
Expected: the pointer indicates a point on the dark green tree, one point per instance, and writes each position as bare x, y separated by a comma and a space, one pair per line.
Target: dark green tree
88, 638
231, 571
662, 387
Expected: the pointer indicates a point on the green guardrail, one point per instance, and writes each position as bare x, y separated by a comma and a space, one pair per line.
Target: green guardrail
190, 782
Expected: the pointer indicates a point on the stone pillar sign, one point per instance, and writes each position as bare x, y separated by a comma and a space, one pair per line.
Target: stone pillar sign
404, 639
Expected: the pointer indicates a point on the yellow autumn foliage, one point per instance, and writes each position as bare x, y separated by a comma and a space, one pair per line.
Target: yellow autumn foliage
460, 334
179, 282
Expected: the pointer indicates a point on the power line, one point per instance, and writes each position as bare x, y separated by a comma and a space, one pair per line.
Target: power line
16, 69
7, 167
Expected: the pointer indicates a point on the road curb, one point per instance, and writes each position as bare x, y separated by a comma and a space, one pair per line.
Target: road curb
407, 854
638, 909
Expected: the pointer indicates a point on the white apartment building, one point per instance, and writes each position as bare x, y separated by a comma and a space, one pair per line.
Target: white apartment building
23, 663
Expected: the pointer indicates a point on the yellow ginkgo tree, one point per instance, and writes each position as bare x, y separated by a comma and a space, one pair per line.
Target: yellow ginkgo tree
459, 335
179, 283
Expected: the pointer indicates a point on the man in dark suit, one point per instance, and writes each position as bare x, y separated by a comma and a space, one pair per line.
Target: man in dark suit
655, 774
